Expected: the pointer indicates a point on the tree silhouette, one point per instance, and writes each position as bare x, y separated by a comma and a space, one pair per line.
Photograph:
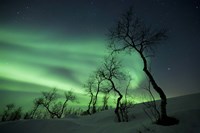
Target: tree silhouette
93, 86
98, 82
89, 85
110, 71
55, 109
131, 34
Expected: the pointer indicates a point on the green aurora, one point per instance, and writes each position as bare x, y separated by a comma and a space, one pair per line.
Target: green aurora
32, 61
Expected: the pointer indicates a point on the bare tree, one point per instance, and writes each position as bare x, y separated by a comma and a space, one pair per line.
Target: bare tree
110, 71
131, 33
37, 111
89, 85
98, 80
93, 88
55, 109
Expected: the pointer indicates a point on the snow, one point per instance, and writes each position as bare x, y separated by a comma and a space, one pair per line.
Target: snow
185, 108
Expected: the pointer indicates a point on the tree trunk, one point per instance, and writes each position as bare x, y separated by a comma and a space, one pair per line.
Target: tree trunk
95, 99
88, 110
162, 95
118, 101
117, 107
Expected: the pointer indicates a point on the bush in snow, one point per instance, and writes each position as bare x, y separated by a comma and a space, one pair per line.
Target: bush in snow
11, 113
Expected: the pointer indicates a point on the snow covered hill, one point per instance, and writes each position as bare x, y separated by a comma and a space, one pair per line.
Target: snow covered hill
185, 108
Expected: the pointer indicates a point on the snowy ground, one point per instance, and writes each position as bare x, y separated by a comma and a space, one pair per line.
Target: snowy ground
185, 108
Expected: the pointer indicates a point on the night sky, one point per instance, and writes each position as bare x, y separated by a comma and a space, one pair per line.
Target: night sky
59, 43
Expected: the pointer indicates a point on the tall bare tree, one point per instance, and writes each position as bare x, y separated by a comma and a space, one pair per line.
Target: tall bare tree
110, 71
90, 85
131, 34
98, 80
93, 86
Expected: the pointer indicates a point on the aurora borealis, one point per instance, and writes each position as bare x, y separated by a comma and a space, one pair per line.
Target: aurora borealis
36, 62
48, 43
